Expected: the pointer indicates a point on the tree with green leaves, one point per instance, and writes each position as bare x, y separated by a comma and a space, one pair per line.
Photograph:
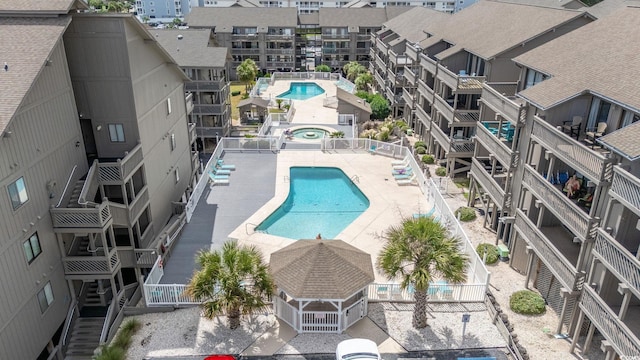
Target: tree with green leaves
363, 81
323, 68
379, 107
417, 251
352, 69
231, 281
247, 71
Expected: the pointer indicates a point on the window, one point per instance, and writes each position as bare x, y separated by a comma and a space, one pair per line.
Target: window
534, 77
173, 141
116, 132
177, 174
45, 297
32, 248
17, 193
168, 106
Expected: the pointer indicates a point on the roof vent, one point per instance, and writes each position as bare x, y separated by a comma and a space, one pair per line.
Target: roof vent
180, 36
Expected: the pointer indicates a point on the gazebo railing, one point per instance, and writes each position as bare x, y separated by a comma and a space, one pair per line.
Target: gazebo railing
320, 322
285, 312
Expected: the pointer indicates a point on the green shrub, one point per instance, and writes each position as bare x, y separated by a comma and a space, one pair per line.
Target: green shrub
419, 144
428, 159
441, 171
235, 93
337, 134
383, 136
492, 253
421, 150
118, 348
527, 302
465, 213
245, 96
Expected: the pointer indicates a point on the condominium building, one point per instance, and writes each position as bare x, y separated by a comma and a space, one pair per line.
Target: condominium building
96, 161
158, 9
278, 39
207, 67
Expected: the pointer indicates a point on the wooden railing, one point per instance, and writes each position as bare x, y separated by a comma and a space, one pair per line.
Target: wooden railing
618, 260
188, 99
428, 64
410, 75
145, 257
208, 109
139, 204
90, 186
501, 104
168, 294
113, 173
425, 90
586, 161
412, 52
423, 116
487, 183
626, 188
615, 331
577, 220
284, 311
192, 132
91, 265
441, 137
204, 85
561, 268
465, 83
495, 146
408, 98
443, 107
95, 217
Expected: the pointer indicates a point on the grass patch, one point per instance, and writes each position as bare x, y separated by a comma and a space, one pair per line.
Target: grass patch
527, 302
462, 182
118, 348
276, 111
235, 100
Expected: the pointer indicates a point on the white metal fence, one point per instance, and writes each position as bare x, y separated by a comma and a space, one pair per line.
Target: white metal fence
319, 321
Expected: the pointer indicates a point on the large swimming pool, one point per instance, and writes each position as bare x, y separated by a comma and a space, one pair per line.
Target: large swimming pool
301, 91
322, 200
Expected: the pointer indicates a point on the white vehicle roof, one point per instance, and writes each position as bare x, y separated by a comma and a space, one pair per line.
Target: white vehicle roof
357, 349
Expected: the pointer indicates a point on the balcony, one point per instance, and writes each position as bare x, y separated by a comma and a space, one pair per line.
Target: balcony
208, 109
423, 116
75, 267
428, 64
555, 201
621, 338
561, 268
463, 84
281, 64
584, 160
195, 161
380, 45
407, 97
488, 184
210, 132
440, 137
626, 189
379, 80
380, 63
345, 36
411, 52
116, 173
192, 132
269, 51
252, 36
500, 98
398, 59
443, 108
410, 76
496, 146
244, 51
189, 101
126, 215
425, 90
618, 260
69, 219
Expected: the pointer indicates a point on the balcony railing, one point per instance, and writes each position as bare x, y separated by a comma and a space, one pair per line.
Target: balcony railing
410, 75
192, 132
91, 265
443, 108
379, 79
496, 147
626, 188
205, 85
115, 173
408, 98
145, 257
92, 217
412, 53
561, 268
202, 109
139, 204
189, 102
488, 184
425, 90
380, 63
621, 338
586, 161
460, 83
423, 116
440, 137
501, 104
619, 260
428, 64
571, 215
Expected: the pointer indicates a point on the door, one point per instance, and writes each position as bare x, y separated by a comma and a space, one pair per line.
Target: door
89, 141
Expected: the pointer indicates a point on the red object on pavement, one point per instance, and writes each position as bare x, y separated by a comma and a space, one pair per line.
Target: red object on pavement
220, 357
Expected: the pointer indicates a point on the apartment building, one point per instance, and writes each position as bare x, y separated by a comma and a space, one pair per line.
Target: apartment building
207, 67
278, 39
162, 10
96, 162
444, 70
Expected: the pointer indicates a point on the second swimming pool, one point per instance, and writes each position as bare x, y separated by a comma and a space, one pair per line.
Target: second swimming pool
301, 91
322, 200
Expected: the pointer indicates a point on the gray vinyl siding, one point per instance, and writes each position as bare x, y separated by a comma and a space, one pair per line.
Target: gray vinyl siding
42, 148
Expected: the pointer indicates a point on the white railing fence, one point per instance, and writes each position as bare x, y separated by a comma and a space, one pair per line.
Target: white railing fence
437, 292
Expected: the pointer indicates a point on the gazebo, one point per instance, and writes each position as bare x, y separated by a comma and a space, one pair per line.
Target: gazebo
253, 108
321, 285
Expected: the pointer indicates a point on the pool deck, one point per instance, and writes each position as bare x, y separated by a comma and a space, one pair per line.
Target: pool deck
310, 111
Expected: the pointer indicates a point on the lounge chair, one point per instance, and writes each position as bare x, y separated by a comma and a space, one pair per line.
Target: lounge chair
400, 162
220, 181
404, 165
402, 171
372, 149
213, 176
408, 181
218, 171
404, 176
427, 214
221, 165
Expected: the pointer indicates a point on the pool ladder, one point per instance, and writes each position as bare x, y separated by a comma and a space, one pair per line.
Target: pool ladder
251, 226
355, 179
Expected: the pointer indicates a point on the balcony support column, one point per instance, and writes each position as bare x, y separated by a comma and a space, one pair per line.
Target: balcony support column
566, 296
530, 262
587, 341
624, 290
608, 350
585, 250
576, 331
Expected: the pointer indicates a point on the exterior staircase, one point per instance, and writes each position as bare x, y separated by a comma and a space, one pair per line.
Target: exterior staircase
84, 338
75, 194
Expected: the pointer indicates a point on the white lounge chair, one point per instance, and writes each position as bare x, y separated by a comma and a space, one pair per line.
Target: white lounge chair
220, 181
400, 162
213, 177
221, 165
219, 171
401, 166
408, 181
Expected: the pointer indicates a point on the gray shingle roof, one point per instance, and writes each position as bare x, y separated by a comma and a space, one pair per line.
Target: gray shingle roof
606, 7
624, 141
321, 269
193, 49
405, 24
25, 45
353, 100
489, 28
224, 19
600, 58
39, 6
362, 17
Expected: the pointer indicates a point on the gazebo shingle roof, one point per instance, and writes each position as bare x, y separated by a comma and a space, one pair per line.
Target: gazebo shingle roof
321, 269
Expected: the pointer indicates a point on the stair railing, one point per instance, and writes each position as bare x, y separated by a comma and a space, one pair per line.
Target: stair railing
71, 314
66, 185
111, 313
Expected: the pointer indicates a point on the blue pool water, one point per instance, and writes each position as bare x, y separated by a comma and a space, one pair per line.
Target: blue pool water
321, 200
309, 133
301, 91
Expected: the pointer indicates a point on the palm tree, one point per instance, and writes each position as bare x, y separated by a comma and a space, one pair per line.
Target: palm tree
232, 281
352, 69
247, 71
417, 251
363, 81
